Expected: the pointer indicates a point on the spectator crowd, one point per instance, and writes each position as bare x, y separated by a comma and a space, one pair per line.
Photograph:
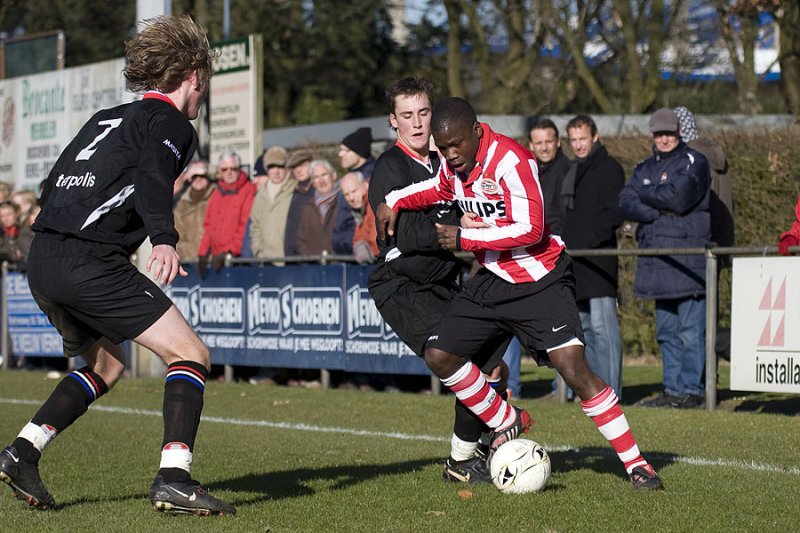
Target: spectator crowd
295, 204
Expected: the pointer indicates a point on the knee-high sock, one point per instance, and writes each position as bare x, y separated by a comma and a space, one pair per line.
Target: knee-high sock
468, 429
604, 409
183, 403
472, 389
467, 426
68, 401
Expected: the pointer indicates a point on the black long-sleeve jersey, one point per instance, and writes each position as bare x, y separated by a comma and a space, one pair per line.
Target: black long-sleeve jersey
422, 260
113, 183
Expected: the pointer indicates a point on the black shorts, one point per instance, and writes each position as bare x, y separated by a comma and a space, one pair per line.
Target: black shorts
414, 309
541, 314
90, 290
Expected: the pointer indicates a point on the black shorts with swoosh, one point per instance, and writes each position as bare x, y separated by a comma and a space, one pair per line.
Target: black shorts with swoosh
541, 314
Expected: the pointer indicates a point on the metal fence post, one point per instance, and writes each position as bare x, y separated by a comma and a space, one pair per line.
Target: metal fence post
711, 330
5, 351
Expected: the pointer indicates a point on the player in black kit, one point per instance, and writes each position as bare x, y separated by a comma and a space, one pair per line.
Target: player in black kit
109, 189
415, 279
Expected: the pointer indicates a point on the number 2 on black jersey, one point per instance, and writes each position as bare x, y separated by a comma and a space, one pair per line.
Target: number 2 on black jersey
87, 152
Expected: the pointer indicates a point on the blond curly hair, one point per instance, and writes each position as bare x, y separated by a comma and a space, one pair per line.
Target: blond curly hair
165, 53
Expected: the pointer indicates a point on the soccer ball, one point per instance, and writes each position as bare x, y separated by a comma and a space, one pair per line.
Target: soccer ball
519, 466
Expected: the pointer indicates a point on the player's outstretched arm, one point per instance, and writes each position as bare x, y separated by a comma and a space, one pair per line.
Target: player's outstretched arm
167, 264
386, 218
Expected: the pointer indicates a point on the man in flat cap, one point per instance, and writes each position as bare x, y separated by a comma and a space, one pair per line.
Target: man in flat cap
668, 196
299, 163
270, 166
271, 205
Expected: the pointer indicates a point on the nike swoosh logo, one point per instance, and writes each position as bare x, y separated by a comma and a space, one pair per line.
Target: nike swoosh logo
193, 497
184, 494
557, 329
14, 457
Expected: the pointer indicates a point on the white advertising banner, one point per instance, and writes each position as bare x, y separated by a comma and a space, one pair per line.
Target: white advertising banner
765, 324
41, 113
44, 126
94, 87
235, 106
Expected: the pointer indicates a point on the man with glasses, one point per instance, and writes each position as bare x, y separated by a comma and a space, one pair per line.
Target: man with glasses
227, 214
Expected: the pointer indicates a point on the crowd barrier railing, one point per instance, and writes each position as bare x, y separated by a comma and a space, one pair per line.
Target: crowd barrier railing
313, 312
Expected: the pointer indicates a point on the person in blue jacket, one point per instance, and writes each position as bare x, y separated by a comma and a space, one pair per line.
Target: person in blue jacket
668, 196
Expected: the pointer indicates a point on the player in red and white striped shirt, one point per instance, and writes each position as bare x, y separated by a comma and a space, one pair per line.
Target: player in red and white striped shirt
503, 190
526, 287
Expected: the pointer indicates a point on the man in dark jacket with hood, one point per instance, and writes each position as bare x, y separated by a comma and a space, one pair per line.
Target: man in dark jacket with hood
590, 197
720, 205
668, 196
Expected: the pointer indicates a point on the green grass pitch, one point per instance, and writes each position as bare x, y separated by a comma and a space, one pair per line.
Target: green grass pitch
297, 460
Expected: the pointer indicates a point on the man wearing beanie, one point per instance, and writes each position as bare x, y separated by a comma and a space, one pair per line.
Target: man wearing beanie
354, 156
355, 152
668, 196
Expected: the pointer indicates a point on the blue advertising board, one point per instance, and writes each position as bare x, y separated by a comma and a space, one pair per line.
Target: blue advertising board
296, 316
29, 329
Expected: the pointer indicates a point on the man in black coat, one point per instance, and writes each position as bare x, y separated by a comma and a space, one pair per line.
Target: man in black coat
545, 144
590, 198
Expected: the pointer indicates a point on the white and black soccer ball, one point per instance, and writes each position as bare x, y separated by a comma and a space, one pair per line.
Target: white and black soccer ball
519, 466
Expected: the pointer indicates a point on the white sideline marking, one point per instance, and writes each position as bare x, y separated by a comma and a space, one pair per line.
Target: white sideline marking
698, 461
264, 423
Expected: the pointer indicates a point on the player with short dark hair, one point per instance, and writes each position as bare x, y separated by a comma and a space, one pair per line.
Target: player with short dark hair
110, 188
415, 278
525, 288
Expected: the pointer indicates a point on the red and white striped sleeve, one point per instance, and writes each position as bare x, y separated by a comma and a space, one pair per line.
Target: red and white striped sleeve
423, 194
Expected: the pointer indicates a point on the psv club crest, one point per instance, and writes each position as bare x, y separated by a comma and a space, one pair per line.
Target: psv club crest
489, 185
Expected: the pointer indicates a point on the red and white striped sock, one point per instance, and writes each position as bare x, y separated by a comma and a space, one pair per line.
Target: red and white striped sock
603, 408
472, 389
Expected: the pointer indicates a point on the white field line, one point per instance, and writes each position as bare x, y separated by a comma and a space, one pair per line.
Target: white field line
697, 461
